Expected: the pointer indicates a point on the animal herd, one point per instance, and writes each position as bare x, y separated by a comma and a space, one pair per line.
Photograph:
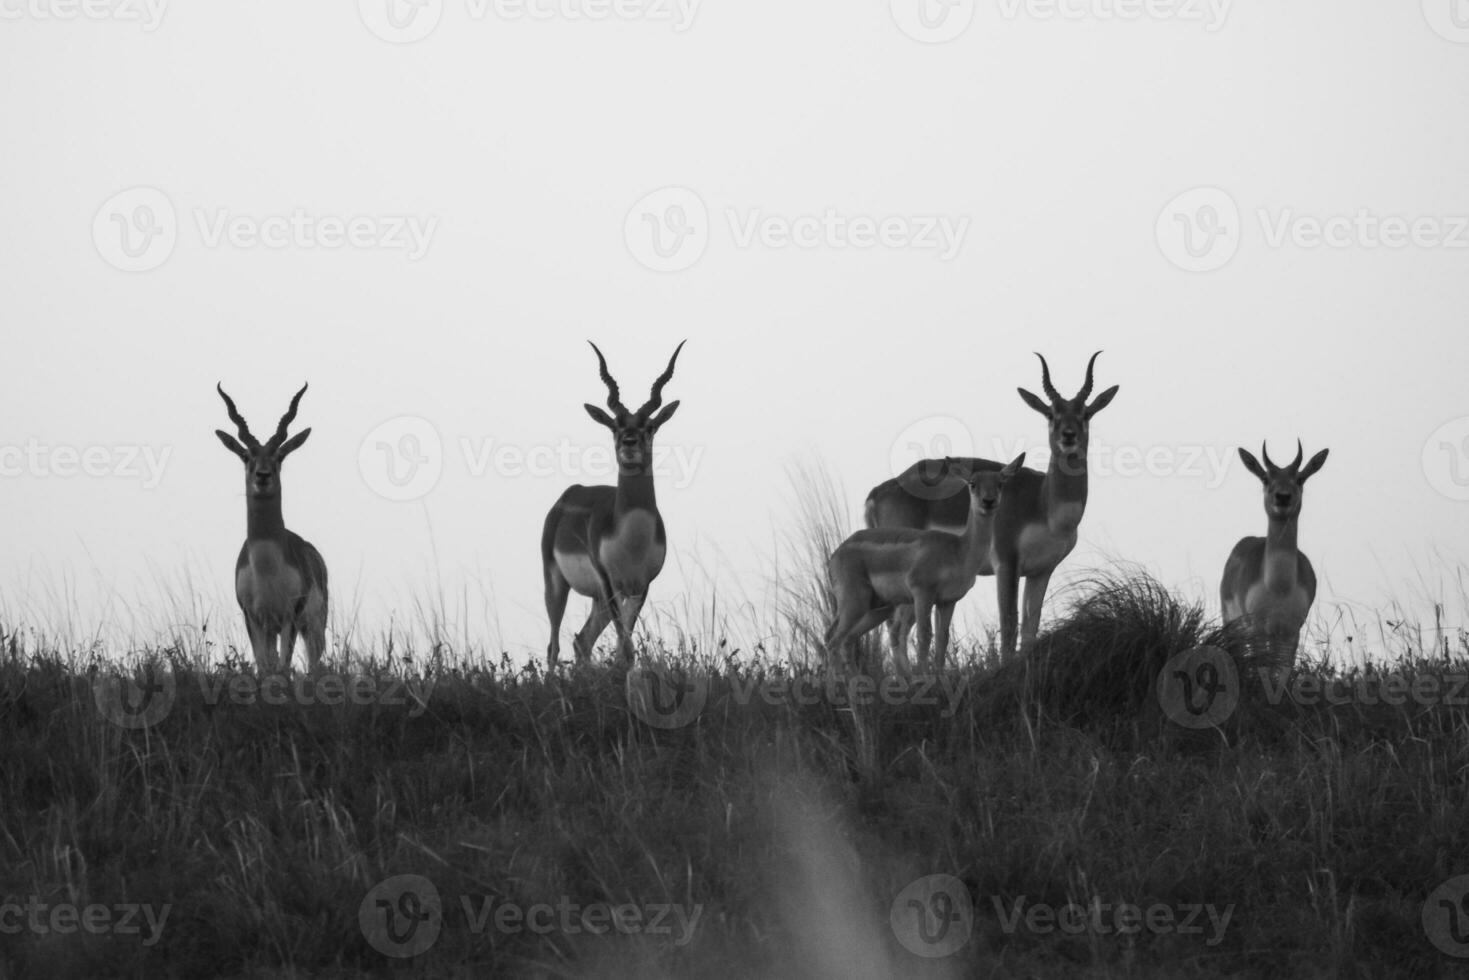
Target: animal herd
931, 532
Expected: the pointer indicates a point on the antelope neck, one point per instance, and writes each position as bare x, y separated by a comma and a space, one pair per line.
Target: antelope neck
973, 538
263, 519
634, 491
1280, 553
1065, 486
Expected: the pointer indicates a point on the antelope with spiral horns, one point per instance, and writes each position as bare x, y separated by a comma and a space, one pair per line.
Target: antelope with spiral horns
280, 579
608, 542
879, 569
1036, 525
1269, 582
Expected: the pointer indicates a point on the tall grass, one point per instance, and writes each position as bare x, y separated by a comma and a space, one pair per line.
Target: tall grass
793, 825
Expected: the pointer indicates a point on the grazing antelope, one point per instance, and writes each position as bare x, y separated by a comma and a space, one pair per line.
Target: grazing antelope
878, 569
280, 579
1268, 582
1035, 527
608, 542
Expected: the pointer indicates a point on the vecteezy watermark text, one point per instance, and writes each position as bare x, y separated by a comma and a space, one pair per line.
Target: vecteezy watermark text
403, 459
137, 229
1202, 229
42, 460
403, 916
1100, 918
146, 13
407, 21
669, 230
66, 918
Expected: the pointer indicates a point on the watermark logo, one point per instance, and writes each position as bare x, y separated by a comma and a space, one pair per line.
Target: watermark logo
402, 459
931, 438
932, 21
136, 702
664, 697
1448, 18
401, 21
401, 916
1446, 459
933, 917
135, 230
1199, 688
1199, 230
1446, 917
667, 230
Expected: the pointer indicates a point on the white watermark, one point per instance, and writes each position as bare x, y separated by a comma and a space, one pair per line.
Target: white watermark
1449, 19
1098, 918
1211, 14
404, 916
1445, 917
1446, 459
34, 458
673, 465
939, 21
43, 918
933, 917
137, 229
940, 436
404, 458
410, 234
669, 230
147, 14
1202, 229
409, 21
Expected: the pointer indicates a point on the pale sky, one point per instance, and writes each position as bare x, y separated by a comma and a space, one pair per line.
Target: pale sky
877, 212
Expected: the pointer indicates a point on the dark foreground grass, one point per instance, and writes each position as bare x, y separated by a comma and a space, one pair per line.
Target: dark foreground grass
780, 832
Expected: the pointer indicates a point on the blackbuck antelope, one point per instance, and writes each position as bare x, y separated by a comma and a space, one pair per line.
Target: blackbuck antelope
1268, 582
280, 579
1035, 527
877, 570
608, 542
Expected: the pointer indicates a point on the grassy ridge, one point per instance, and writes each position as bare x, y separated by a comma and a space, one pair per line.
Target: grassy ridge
774, 830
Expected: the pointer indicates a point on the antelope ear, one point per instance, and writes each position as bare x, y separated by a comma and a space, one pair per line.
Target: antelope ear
292, 444
232, 445
1313, 466
1039, 404
1253, 465
600, 417
664, 415
1100, 402
1013, 467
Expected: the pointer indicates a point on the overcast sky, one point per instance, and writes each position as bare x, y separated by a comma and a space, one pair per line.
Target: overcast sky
863, 216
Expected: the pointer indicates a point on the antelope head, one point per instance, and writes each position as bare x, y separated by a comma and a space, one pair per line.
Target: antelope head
985, 485
632, 432
1069, 418
262, 462
1283, 483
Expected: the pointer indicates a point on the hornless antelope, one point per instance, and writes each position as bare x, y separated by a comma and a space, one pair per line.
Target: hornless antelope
280, 579
1035, 528
608, 542
1268, 582
878, 569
